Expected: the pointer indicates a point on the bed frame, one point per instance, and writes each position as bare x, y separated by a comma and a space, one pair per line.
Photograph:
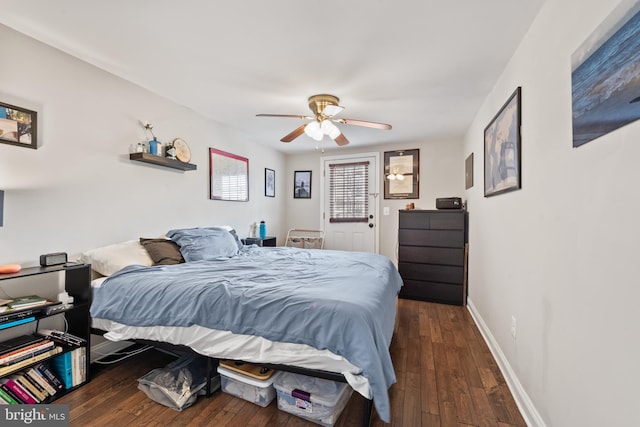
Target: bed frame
212, 365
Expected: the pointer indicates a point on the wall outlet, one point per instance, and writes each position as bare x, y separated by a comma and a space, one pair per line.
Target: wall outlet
513, 327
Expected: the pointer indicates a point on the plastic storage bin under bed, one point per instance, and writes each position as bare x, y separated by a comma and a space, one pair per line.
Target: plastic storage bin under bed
260, 392
314, 399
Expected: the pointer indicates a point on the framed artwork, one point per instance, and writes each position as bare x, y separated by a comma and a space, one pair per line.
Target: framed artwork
228, 176
468, 172
502, 149
402, 174
302, 185
269, 182
604, 77
18, 126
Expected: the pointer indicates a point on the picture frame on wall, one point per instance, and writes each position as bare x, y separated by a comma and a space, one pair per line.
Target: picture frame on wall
468, 172
502, 148
269, 182
604, 76
402, 174
18, 126
302, 185
228, 176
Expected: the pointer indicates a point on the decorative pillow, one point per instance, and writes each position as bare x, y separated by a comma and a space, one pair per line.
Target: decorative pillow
109, 259
162, 251
198, 244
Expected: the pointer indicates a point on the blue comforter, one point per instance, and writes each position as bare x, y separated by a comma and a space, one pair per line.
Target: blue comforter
340, 301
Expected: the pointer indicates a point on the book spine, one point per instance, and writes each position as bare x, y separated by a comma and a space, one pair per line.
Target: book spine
20, 349
10, 393
42, 393
83, 364
17, 366
40, 379
19, 391
7, 397
50, 376
26, 353
63, 367
17, 322
13, 316
28, 387
77, 361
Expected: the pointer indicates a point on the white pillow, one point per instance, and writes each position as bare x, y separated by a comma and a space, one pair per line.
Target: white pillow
107, 260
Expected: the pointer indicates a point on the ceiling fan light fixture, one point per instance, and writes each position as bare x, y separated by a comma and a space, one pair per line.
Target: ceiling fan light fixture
328, 128
313, 131
324, 107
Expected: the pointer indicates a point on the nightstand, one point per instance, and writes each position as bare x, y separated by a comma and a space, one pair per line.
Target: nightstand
267, 241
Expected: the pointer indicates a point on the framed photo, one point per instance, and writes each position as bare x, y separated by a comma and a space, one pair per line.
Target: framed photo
18, 126
269, 182
468, 172
502, 149
228, 176
302, 185
604, 77
402, 174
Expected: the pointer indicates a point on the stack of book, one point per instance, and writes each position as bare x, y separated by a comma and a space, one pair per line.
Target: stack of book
24, 382
21, 310
31, 386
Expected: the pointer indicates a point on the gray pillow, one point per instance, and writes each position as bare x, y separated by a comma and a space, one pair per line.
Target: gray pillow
198, 244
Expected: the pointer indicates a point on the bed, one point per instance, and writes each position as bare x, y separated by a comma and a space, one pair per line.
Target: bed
320, 310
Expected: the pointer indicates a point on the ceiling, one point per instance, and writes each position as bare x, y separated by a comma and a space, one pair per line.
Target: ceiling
423, 66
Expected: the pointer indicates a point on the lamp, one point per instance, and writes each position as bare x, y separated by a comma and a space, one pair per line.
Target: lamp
395, 175
1, 206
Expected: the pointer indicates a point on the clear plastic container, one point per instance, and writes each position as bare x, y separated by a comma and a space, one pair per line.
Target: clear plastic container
260, 392
314, 399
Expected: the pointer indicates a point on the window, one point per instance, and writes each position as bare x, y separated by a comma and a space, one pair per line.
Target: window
349, 192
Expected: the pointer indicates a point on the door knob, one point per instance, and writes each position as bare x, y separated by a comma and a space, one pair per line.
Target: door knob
370, 225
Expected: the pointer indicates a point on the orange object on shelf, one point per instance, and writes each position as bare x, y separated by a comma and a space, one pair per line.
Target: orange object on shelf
9, 268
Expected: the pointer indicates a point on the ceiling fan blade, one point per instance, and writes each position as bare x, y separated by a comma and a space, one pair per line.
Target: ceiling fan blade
294, 134
363, 123
341, 140
295, 116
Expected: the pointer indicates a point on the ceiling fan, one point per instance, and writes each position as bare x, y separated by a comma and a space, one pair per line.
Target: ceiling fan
324, 108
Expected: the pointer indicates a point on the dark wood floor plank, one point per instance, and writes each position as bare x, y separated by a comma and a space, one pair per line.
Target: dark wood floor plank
446, 376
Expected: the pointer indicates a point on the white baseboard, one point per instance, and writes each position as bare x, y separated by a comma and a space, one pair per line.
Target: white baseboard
105, 348
525, 405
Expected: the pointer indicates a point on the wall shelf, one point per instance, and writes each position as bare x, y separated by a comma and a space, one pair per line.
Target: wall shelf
162, 161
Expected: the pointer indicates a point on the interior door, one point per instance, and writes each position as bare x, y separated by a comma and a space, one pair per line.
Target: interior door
350, 202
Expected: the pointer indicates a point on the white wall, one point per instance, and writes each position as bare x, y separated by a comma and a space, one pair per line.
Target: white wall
79, 190
559, 254
441, 175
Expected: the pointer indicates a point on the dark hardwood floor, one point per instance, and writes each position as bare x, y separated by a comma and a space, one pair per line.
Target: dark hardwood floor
445, 372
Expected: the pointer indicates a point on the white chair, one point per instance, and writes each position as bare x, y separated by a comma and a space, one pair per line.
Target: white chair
306, 239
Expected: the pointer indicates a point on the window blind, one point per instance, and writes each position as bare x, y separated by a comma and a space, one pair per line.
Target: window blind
349, 192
